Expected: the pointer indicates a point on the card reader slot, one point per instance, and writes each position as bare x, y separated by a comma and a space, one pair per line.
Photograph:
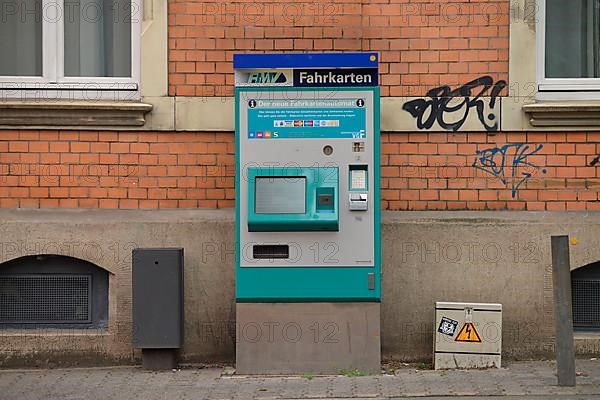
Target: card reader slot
269, 251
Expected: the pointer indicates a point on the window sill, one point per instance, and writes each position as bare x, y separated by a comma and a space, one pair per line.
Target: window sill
586, 342
43, 114
564, 113
586, 335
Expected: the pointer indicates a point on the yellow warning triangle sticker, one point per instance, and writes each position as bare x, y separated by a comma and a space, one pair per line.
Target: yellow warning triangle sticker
468, 333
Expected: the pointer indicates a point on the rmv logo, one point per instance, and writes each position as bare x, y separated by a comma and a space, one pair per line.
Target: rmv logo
267, 77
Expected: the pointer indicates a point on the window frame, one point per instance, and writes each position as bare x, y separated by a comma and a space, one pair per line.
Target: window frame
582, 88
53, 79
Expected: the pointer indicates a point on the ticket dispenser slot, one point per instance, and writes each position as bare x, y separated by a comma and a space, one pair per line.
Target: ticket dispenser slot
270, 251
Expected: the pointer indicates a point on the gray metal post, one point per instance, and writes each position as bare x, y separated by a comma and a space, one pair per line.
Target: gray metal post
563, 312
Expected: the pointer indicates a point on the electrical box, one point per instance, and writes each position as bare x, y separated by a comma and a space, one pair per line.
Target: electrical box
467, 335
307, 207
157, 298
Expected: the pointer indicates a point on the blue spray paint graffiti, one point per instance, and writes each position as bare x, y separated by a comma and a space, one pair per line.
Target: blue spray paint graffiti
513, 157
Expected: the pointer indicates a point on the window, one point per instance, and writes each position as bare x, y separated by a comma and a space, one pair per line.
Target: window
569, 46
70, 48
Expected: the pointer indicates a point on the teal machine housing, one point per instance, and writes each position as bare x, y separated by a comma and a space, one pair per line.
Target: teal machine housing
307, 181
313, 190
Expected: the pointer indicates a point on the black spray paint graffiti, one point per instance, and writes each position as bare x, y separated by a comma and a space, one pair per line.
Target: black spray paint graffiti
511, 157
595, 161
428, 111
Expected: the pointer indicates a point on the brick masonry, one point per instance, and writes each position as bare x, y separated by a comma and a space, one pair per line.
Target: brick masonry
73, 169
551, 171
422, 44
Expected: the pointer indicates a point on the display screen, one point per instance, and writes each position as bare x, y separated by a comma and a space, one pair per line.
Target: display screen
280, 195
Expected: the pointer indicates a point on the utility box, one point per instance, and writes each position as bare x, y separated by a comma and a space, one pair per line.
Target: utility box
157, 285
467, 335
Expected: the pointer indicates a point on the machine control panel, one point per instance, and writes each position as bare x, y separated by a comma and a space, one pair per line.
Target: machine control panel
359, 201
358, 191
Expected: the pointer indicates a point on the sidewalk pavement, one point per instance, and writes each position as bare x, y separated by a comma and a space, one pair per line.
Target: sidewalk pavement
517, 380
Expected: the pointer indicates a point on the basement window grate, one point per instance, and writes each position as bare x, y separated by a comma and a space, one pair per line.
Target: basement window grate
45, 298
586, 303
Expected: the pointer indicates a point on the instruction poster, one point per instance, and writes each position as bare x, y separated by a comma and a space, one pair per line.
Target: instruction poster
290, 119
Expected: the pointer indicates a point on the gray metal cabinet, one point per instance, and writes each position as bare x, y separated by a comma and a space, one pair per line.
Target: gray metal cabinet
157, 298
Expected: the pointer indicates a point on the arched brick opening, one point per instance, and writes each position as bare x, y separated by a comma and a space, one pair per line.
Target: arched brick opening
53, 291
585, 290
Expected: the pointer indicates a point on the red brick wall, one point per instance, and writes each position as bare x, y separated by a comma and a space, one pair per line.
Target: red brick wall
435, 171
73, 169
420, 171
423, 44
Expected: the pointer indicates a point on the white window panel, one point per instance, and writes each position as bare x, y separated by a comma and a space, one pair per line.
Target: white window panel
568, 44
87, 47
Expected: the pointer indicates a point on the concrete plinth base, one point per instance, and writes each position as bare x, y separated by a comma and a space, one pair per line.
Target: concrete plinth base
159, 359
466, 361
298, 338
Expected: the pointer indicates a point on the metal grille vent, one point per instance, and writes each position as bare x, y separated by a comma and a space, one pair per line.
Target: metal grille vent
45, 298
586, 303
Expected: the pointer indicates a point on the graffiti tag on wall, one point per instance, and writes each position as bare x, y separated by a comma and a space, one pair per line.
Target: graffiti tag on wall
509, 163
451, 108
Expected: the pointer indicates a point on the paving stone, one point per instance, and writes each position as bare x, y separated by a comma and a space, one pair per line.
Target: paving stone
123, 383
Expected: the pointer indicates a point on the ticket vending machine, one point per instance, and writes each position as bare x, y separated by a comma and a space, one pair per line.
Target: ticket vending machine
308, 270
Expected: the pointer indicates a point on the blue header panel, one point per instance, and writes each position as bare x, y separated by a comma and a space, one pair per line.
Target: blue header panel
315, 70
306, 60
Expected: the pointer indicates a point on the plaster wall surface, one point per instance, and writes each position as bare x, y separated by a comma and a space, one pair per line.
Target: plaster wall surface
495, 257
